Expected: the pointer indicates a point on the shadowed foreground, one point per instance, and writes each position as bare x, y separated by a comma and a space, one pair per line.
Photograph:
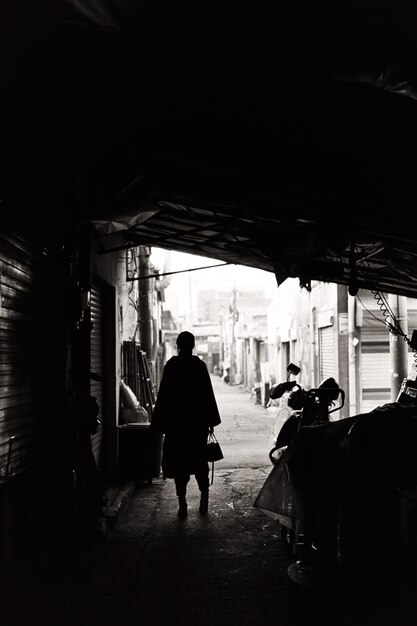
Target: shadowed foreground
226, 568
229, 567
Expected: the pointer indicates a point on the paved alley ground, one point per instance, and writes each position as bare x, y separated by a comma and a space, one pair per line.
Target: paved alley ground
228, 568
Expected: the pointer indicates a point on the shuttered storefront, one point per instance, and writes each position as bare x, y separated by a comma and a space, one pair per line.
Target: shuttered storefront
96, 366
375, 368
327, 353
19, 277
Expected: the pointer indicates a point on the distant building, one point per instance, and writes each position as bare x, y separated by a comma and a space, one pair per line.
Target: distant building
211, 304
327, 332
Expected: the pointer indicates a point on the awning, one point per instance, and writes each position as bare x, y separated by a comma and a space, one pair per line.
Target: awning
280, 136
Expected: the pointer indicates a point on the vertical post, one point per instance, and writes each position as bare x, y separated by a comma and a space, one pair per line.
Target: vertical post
221, 348
315, 369
343, 350
145, 302
190, 304
398, 347
232, 371
353, 342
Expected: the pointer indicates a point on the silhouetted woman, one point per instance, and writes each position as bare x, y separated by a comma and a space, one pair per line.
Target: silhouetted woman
185, 411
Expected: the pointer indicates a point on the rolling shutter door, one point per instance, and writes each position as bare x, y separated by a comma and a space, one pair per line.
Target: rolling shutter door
327, 355
19, 277
412, 361
375, 368
96, 366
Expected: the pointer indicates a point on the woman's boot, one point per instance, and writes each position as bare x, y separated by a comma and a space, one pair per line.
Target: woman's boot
204, 498
183, 509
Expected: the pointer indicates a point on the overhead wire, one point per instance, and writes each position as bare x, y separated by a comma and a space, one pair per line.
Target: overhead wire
393, 326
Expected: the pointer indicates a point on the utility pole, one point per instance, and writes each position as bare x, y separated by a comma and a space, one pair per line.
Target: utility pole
352, 357
344, 352
145, 302
398, 346
232, 372
221, 347
189, 316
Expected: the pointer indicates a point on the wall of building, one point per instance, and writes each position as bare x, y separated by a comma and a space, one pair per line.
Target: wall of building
312, 330
110, 270
136, 310
294, 319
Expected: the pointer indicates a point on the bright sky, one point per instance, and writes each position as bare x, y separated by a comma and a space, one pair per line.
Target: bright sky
179, 296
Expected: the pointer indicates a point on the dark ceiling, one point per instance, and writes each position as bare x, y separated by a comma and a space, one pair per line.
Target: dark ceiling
280, 135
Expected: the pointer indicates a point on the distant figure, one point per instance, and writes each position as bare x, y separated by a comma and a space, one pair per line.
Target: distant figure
185, 412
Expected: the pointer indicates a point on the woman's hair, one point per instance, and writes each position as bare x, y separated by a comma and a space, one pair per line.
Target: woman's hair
185, 341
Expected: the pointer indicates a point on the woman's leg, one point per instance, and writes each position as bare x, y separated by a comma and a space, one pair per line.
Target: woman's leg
181, 482
202, 479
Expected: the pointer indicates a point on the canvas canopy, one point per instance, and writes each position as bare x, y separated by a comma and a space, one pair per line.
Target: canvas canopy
276, 135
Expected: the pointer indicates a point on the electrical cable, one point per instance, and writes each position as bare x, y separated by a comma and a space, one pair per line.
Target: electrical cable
395, 327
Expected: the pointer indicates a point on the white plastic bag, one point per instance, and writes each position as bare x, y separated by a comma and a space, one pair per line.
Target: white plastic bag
129, 415
129, 400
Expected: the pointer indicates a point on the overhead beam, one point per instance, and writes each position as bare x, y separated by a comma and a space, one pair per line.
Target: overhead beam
191, 269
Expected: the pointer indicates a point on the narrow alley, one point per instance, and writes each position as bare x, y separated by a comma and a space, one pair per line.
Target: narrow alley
229, 567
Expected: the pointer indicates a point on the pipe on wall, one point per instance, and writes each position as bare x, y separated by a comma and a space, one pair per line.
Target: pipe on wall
352, 343
145, 302
398, 347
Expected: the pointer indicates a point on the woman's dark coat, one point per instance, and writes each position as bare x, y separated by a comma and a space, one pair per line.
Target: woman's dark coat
185, 408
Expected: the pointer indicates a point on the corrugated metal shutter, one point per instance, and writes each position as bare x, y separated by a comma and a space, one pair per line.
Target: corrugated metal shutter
96, 365
412, 361
19, 277
327, 355
375, 368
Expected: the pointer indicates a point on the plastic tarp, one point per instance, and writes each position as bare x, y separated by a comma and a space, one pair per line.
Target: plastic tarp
305, 471
341, 462
125, 220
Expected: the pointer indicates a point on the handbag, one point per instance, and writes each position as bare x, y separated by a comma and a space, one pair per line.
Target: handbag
213, 452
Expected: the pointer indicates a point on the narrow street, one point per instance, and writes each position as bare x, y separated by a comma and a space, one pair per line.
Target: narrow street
245, 433
228, 568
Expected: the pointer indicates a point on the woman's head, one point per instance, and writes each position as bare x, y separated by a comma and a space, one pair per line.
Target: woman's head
185, 341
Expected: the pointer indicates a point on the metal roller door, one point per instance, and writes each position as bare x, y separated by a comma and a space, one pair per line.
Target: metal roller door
96, 366
375, 368
19, 278
327, 353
